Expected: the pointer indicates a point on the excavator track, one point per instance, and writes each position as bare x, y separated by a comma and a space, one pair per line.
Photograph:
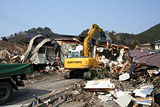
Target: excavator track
67, 75
77, 73
87, 75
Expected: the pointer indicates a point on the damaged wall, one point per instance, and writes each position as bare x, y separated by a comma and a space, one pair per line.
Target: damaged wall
42, 52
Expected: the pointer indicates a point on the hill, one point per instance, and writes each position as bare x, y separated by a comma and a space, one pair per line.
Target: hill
12, 47
150, 35
131, 40
21, 37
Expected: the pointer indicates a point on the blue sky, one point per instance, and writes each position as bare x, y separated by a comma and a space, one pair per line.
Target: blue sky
73, 16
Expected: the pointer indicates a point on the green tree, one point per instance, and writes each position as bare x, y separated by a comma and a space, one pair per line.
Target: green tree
4, 39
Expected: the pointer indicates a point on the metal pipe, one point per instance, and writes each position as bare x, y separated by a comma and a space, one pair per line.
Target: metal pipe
59, 103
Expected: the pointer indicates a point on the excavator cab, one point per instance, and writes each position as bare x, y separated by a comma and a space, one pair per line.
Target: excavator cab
75, 53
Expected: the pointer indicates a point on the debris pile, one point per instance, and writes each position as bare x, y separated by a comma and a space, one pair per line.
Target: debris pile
105, 93
140, 68
124, 77
122, 64
74, 94
10, 52
112, 59
123, 93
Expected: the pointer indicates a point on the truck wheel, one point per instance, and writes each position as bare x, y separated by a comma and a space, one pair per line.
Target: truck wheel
6, 91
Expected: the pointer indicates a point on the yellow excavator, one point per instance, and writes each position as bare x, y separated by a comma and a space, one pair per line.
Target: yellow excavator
76, 66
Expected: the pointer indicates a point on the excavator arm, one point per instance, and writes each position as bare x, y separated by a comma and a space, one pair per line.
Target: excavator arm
88, 38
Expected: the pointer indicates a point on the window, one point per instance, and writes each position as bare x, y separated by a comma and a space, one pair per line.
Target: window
75, 54
42, 50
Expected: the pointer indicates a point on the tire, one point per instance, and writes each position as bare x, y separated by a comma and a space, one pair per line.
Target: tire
6, 91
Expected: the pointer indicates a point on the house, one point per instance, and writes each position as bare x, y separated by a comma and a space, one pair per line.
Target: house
41, 50
44, 49
148, 46
152, 47
156, 45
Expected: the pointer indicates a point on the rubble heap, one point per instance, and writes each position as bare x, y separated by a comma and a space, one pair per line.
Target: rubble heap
11, 52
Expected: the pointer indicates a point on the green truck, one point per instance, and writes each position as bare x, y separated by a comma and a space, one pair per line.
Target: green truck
12, 76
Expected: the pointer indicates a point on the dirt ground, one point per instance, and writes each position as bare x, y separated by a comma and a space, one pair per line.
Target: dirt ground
12, 46
41, 85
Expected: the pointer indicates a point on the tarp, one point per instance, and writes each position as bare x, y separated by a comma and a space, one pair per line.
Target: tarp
14, 69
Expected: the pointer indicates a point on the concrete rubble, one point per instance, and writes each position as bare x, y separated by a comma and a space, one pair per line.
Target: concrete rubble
100, 84
143, 91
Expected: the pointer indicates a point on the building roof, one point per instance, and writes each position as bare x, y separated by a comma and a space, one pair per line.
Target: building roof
156, 42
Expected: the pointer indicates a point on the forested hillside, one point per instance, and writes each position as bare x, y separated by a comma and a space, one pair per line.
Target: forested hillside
132, 40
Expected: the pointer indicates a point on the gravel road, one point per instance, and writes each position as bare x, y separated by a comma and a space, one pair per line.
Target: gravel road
41, 87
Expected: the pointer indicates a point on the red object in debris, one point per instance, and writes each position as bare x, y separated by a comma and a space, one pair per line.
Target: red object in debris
138, 65
41, 70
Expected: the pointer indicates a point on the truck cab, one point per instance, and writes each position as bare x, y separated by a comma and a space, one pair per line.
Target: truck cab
11, 77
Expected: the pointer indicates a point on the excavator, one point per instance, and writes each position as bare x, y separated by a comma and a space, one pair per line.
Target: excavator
81, 64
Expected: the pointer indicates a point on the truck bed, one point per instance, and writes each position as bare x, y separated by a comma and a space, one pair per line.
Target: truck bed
14, 69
